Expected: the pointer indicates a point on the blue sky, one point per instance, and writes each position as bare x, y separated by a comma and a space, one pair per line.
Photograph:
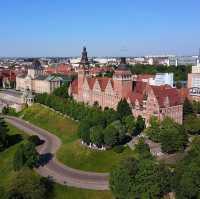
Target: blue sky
106, 27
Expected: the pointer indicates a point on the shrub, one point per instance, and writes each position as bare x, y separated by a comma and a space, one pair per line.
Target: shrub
118, 149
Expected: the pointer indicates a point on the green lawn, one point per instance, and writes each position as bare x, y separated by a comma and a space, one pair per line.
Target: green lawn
72, 153
60, 192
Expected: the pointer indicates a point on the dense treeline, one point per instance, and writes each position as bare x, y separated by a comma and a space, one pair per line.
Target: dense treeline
100, 127
180, 72
141, 177
170, 135
145, 177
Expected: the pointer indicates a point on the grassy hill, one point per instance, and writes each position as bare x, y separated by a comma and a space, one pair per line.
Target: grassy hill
60, 192
72, 153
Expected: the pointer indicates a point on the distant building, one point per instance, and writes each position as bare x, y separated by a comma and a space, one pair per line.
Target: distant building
36, 81
194, 82
184, 60
163, 79
14, 99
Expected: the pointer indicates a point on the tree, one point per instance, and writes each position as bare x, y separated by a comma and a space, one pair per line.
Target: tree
62, 91
110, 115
152, 180
3, 134
173, 137
192, 124
35, 140
130, 124
122, 177
26, 185
140, 126
19, 158
110, 136
143, 149
84, 130
123, 109
26, 155
143, 178
31, 155
187, 107
187, 173
96, 135
153, 132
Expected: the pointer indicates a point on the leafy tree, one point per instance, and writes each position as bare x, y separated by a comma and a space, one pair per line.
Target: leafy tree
110, 115
110, 136
173, 136
187, 173
122, 177
140, 125
35, 140
3, 134
187, 107
143, 178
26, 155
123, 109
143, 149
96, 135
31, 155
121, 131
192, 124
130, 124
84, 131
152, 180
19, 158
153, 132
62, 91
26, 185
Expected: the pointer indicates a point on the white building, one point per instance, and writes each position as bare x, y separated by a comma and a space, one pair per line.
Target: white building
162, 79
36, 81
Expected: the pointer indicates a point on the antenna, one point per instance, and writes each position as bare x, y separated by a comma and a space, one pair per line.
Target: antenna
199, 54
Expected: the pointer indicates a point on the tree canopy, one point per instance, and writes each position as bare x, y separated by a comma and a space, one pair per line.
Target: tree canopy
3, 134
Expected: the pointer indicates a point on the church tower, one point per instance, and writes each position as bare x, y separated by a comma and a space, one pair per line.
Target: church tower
82, 72
122, 79
84, 58
35, 70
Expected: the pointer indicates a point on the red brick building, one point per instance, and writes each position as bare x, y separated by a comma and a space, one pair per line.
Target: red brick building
144, 100
7, 78
63, 69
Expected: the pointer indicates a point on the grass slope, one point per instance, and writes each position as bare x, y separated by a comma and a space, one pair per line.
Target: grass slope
72, 153
60, 192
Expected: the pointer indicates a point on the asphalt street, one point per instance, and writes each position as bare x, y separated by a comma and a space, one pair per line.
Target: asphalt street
54, 169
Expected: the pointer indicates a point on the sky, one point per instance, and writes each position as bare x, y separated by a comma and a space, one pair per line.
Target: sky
34, 28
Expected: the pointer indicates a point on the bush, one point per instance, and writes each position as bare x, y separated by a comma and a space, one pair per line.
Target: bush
118, 149
35, 140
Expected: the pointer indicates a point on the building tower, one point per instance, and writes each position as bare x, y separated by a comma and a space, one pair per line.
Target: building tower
84, 58
123, 79
35, 69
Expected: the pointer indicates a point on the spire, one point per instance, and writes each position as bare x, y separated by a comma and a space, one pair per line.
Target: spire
84, 57
123, 65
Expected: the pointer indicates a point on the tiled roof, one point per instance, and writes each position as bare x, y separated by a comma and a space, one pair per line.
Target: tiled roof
140, 87
103, 81
74, 86
135, 96
91, 82
164, 92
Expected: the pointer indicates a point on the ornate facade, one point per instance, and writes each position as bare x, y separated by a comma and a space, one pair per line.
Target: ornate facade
36, 81
144, 99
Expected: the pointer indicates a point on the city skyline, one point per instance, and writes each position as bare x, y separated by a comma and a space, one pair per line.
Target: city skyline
125, 28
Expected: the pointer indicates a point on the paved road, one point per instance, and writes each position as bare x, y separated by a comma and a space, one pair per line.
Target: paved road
60, 173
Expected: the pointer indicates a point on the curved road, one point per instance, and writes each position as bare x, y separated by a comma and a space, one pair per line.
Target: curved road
60, 173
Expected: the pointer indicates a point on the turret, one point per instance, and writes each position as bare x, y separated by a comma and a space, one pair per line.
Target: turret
123, 79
